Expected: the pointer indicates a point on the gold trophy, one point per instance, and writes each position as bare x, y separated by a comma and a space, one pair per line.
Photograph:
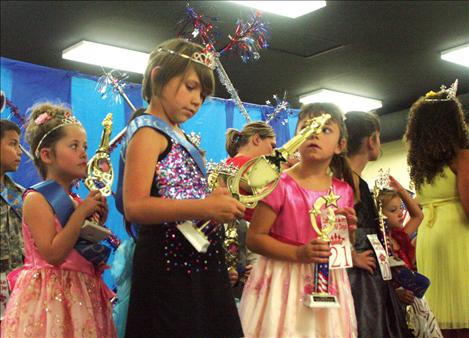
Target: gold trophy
100, 177
197, 234
321, 296
262, 173
381, 183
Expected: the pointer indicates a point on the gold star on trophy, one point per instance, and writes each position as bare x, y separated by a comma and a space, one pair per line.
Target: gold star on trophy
331, 198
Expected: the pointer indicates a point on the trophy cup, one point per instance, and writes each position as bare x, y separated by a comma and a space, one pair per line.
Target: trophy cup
322, 295
262, 173
100, 177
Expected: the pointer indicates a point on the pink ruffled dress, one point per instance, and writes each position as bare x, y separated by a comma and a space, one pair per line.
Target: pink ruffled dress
68, 300
271, 304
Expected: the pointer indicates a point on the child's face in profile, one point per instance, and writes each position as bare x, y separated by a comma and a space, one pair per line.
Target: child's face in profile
10, 151
394, 213
70, 158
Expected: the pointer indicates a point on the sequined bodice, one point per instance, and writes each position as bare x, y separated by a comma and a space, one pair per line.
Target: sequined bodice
178, 177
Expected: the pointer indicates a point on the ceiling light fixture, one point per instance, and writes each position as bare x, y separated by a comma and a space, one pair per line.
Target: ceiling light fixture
459, 55
346, 102
291, 9
107, 56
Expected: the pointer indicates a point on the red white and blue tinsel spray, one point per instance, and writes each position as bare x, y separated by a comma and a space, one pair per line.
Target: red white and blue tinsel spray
248, 39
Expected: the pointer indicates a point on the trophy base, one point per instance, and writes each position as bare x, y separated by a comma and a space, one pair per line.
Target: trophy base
94, 232
194, 236
320, 300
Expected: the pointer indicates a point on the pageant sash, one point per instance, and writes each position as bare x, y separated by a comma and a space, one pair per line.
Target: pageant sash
63, 207
158, 124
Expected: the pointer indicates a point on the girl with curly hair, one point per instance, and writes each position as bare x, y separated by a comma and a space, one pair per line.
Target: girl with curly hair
438, 156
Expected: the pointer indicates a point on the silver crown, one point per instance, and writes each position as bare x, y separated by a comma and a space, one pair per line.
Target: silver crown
205, 58
66, 120
450, 93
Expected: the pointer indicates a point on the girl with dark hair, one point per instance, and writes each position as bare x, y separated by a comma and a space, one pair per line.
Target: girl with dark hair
438, 157
282, 232
378, 309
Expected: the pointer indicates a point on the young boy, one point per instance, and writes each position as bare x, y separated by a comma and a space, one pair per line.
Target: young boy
11, 241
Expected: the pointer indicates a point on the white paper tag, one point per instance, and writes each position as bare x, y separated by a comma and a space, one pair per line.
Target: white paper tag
383, 260
341, 255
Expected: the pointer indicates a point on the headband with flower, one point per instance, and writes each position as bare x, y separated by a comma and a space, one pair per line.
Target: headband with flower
43, 118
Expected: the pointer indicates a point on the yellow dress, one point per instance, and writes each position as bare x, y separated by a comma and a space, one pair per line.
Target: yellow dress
443, 251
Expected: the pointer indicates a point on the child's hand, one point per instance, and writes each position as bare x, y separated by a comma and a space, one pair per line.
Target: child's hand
364, 260
393, 183
233, 276
222, 207
316, 251
92, 203
405, 296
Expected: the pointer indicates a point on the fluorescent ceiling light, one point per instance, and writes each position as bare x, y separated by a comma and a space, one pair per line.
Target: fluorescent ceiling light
107, 56
459, 55
346, 102
291, 9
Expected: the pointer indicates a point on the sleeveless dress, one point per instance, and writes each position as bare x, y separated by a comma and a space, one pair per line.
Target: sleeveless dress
69, 300
177, 291
271, 304
379, 311
443, 251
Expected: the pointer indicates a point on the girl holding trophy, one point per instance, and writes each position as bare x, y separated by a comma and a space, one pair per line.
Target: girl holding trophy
59, 291
422, 321
276, 298
177, 291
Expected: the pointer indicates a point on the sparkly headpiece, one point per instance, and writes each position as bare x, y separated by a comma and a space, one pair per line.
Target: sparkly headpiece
44, 117
450, 92
205, 58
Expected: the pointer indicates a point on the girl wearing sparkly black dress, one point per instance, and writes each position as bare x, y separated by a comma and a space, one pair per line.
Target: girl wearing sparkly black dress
176, 291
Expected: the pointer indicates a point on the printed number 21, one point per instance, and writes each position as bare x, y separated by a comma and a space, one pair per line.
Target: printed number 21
335, 255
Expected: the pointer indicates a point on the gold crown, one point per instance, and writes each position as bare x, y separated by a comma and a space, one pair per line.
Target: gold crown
205, 58
450, 92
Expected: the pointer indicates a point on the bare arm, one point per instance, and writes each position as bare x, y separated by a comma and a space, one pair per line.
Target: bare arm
139, 207
259, 241
415, 213
55, 246
462, 176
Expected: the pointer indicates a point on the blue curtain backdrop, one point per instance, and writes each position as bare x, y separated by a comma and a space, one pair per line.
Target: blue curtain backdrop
26, 84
